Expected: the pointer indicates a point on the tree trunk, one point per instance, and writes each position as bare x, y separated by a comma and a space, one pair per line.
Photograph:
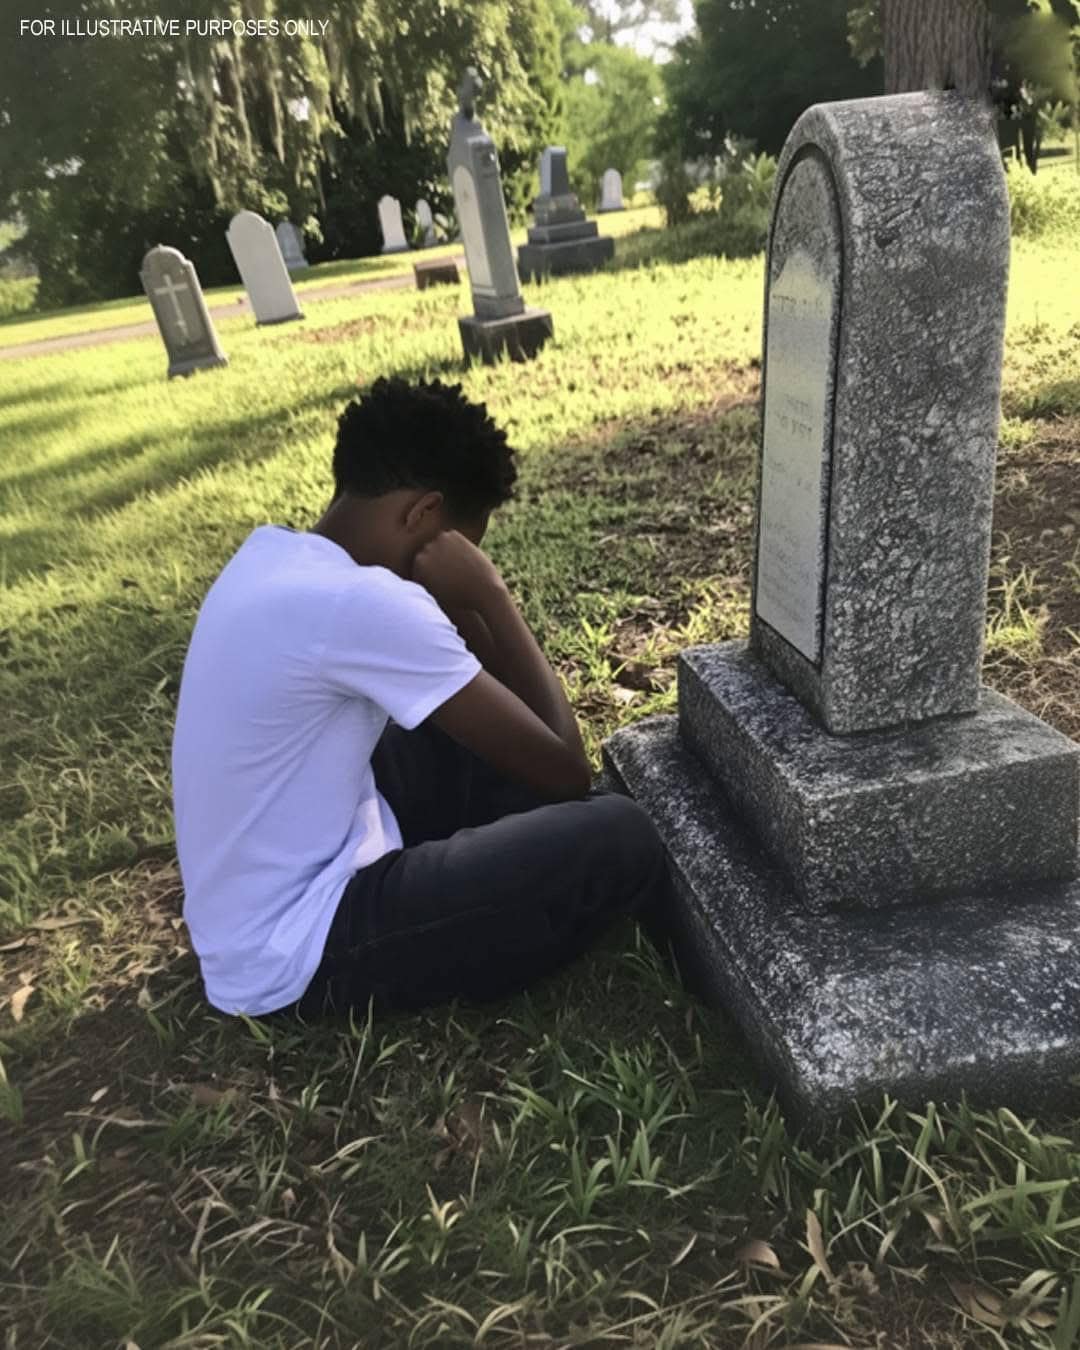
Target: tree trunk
936, 44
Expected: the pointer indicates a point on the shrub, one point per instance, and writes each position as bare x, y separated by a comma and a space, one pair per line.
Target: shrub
746, 191
1045, 204
673, 189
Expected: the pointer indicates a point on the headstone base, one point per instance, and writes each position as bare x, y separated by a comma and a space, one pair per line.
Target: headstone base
440, 273
937, 809
199, 363
978, 996
519, 336
535, 261
284, 318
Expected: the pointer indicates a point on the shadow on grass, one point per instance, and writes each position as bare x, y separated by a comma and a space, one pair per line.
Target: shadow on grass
703, 236
144, 465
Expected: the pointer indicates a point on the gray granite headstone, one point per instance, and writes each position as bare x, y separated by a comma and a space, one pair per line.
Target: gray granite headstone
611, 198
882, 388
426, 221
390, 222
875, 858
291, 243
262, 269
500, 321
172, 287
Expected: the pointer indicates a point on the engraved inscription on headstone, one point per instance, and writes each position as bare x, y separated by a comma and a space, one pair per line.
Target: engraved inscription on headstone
800, 365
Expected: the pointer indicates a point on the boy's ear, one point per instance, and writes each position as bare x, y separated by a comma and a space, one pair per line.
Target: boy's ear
424, 512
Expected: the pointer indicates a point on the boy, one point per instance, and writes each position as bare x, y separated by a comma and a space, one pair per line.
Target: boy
328, 859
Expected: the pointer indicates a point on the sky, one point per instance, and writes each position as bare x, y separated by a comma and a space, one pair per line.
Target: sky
650, 38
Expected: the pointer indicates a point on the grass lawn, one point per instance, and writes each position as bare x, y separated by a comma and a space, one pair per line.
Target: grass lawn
35, 327
594, 1164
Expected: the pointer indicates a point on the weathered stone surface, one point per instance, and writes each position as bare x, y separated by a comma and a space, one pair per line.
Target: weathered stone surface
392, 226
172, 287
957, 804
519, 336
535, 261
554, 172
442, 272
261, 265
889, 250
978, 996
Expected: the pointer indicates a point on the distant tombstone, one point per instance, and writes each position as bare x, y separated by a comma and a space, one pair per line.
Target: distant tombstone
262, 269
426, 221
611, 191
390, 222
562, 240
291, 243
172, 287
501, 322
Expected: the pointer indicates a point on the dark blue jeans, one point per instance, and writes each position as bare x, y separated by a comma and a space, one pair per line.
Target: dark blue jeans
491, 891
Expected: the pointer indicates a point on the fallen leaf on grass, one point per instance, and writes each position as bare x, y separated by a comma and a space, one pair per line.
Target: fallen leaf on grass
684, 1251
14, 946
757, 1253
205, 1094
18, 1000
979, 1302
816, 1245
50, 925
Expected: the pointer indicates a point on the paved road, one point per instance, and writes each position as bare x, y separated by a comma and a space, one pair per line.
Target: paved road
98, 337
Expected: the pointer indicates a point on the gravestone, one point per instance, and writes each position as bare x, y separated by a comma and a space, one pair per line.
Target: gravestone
262, 269
291, 243
562, 240
172, 287
393, 231
426, 221
875, 858
501, 323
611, 198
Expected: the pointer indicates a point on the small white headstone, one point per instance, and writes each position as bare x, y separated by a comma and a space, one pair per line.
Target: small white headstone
393, 231
611, 191
426, 221
291, 243
172, 287
258, 259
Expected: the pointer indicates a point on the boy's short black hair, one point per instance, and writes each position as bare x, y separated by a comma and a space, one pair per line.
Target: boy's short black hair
424, 435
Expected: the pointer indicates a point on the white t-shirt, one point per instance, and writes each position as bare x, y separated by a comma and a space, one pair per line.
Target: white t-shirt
298, 658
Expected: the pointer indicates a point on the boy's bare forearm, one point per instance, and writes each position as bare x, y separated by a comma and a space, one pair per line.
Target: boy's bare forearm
517, 661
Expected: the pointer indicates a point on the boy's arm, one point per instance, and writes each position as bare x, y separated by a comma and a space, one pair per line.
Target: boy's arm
464, 580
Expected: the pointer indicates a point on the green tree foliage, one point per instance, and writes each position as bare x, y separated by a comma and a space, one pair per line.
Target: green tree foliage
750, 70
611, 116
185, 131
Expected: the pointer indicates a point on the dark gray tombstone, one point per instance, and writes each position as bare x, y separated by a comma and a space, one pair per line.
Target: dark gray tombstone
562, 240
291, 243
500, 323
875, 858
172, 287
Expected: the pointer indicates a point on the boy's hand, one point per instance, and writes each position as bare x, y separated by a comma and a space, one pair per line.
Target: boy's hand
456, 573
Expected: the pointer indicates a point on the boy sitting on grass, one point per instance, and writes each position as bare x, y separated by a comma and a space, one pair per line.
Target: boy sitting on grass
329, 858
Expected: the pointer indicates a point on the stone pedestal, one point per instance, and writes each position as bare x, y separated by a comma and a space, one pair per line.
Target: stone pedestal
518, 336
979, 995
562, 241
